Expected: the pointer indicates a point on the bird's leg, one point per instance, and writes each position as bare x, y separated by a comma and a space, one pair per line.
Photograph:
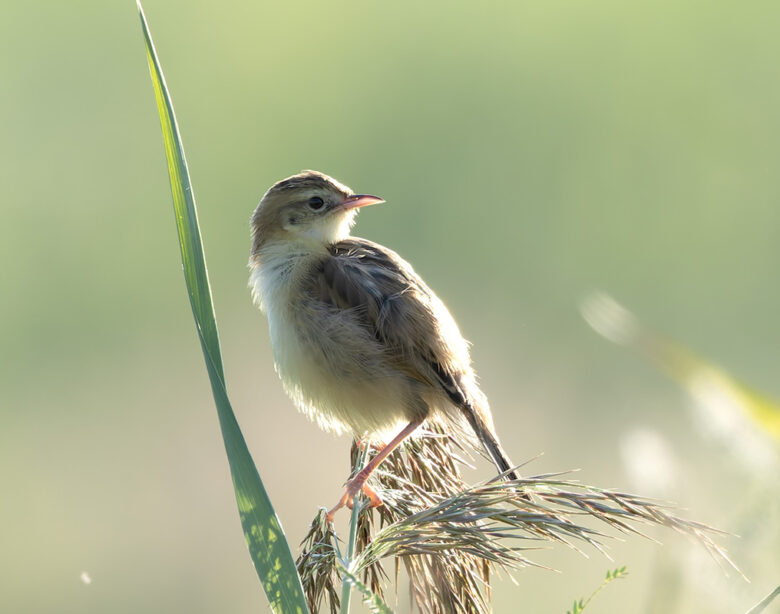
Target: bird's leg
358, 483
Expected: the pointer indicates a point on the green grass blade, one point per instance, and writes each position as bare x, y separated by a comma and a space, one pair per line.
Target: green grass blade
193, 259
268, 546
614, 322
760, 607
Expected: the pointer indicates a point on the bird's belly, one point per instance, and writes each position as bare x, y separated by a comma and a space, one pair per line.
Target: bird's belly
336, 385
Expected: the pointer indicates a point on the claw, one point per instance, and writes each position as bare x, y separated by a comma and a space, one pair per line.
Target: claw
358, 483
355, 485
374, 500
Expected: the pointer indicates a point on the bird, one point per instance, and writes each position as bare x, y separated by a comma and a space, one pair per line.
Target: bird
360, 342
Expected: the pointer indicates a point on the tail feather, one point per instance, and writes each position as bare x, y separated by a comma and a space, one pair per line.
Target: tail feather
480, 422
489, 441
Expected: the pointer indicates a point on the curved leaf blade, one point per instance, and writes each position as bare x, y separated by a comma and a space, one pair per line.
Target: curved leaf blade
264, 535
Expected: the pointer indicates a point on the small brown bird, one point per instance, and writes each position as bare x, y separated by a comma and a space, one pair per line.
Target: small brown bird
361, 343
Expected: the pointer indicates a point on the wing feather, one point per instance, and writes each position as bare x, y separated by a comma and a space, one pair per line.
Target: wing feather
383, 294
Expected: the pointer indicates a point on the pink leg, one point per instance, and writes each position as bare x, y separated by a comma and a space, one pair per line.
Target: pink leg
358, 483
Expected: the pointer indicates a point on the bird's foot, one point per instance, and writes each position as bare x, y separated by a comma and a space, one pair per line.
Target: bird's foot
354, 486
374, 500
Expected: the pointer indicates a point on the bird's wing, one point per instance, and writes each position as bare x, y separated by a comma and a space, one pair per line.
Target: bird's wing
384, 295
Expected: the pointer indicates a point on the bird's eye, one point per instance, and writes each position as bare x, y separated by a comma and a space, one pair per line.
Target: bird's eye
316, 203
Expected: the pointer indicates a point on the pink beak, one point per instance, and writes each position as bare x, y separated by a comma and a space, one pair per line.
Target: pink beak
360, 200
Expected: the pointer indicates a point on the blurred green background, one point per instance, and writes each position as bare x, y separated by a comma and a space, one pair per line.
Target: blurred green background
528, 152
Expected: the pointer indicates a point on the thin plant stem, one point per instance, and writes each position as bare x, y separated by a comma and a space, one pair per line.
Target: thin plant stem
357, 506
760, 607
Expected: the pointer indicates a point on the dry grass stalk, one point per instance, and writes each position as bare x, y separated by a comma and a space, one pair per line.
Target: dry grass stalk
447, 535
413, 479
317, 565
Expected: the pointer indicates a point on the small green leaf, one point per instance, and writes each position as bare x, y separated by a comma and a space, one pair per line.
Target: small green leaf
580, 605
268, 546
372, 601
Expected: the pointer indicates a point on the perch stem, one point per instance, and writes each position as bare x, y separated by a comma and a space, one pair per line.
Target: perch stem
346, 584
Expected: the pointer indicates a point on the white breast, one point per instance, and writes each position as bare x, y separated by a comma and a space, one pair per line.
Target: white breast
272, 282
336, 402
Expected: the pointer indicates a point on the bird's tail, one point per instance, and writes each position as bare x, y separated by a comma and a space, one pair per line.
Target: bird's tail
489, 440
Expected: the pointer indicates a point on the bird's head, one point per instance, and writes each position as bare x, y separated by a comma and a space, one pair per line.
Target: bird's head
309, 207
